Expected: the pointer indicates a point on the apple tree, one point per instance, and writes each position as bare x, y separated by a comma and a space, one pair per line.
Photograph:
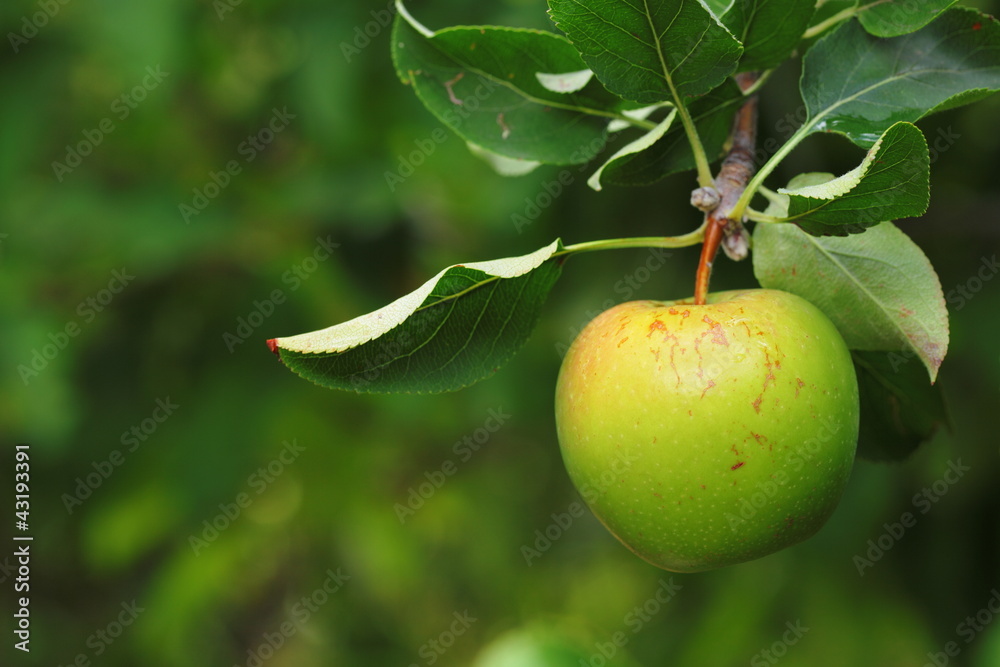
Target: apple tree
718, 388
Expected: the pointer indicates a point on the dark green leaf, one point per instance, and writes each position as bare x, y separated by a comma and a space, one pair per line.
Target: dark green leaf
456, 329
891, 18
713, 118
650, 51
899, 409
769, 29
496, 88
860, 85
892, 182
634, 147
878, 287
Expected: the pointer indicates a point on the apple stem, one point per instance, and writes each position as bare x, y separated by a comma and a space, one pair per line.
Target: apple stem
709, 247
735, 172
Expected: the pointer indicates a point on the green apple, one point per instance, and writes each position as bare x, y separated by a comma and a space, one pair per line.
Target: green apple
704, 436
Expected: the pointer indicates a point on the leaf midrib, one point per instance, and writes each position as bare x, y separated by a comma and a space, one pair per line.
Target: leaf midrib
885, 310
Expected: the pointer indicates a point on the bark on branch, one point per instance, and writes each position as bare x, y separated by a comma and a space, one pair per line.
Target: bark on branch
736, 171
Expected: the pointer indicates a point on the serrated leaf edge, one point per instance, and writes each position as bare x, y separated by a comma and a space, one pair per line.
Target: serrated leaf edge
931, 363
370, 326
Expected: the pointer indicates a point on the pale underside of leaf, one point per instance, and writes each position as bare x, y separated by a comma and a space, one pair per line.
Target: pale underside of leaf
503, 165
878, 287
718, 7
641, 113
839, 186
568, 82
417, 25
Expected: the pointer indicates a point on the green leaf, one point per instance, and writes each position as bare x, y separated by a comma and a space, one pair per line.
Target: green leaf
650, 51
891, 18
633, 147
713, 118
892, 182
899, 410
499, 88
860, 85
456, 329
878, 288
769, 29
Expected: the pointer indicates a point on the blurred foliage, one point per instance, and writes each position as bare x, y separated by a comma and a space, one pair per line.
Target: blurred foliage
317, 559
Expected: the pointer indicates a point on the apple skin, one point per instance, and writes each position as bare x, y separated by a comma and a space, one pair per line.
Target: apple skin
705, 436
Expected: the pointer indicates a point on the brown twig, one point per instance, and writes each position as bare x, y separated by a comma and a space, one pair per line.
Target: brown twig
734, 174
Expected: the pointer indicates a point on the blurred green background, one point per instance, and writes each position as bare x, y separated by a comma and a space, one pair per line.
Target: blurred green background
317, 567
